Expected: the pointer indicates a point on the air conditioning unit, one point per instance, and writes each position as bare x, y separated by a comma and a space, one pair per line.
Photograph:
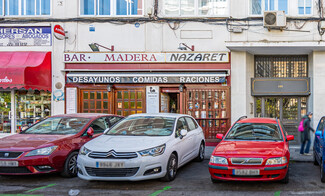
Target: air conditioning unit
274, 19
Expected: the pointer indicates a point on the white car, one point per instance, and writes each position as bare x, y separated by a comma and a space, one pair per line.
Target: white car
142, 146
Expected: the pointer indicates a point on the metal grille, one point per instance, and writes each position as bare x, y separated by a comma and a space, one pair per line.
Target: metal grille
9, 155
113, 155
281, 66
14, 170
246, 161
112, 172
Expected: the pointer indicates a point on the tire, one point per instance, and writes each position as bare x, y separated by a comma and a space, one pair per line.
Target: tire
215, 180
171, 169
285, 180
70, 166
315, 159
200, 156
322, 174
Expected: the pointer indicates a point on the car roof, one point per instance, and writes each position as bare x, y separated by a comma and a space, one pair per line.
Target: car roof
173, 115
85, 115
258, 120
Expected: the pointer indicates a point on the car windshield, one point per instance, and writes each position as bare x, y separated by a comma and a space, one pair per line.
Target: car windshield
144, 126
255, 131
58, 125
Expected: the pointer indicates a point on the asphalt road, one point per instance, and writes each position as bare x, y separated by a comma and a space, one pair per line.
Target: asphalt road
192, 179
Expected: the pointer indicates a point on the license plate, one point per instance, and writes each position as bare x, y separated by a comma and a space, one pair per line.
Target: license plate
110, 164
9, 163
246, 172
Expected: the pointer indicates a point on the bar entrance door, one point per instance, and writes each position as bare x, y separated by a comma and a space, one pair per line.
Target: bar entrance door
288, 109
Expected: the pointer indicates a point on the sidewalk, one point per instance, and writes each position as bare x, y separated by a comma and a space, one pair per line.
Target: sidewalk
294, 152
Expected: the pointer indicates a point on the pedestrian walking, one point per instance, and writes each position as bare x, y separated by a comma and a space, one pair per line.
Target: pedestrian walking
305, 135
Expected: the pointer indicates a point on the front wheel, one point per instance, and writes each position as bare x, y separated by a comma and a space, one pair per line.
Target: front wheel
314, 158
171, 169
70, 166
322, 175
200, 156
285, 180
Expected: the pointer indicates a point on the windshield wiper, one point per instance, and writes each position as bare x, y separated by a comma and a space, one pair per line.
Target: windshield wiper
271, 139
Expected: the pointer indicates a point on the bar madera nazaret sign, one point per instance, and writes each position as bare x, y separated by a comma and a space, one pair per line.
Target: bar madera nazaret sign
202, 57
156, 78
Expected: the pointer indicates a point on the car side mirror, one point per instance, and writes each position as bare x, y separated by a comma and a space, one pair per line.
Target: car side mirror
183, 133
290, 137
220, 136
90, 132
318, 133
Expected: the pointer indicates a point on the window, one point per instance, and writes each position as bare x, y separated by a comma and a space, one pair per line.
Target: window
196, 7
281, 66
191, 124
99, 125
25, 7
113, 120
304, 7
257, 6
111, 7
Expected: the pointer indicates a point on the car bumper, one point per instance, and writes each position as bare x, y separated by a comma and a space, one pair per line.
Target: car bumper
30, 166
266, 173
134, 169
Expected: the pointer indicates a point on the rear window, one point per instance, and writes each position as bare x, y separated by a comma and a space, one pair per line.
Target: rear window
255, 131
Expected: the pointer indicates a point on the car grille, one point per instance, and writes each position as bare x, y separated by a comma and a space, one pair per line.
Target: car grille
113, 155
246, 161
9, 155
14, 170
112, 172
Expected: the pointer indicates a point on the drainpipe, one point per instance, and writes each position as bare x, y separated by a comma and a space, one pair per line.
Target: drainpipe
12, 114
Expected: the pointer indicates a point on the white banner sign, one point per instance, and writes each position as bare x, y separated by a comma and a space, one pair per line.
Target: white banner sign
25, 36
200, 57
71, 94
152, 99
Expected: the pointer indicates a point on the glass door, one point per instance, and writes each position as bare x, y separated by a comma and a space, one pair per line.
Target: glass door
5, 107
288, 109
129, 101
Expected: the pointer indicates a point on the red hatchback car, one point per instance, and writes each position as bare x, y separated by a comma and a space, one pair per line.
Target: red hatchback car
51, 145
254, 149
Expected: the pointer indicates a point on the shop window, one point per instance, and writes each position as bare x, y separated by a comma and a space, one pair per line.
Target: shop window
129, 102
257, 6
95, 101
210, 107
25, 7
5, 107
32, 106
111, 7
281, 66
195, 8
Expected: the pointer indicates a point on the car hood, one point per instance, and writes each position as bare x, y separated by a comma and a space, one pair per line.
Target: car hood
250, 148
27, 142
106, 143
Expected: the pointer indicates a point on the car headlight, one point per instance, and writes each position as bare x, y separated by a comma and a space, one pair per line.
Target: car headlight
219, 160
159, 150
41, 151
84, 151
277, 161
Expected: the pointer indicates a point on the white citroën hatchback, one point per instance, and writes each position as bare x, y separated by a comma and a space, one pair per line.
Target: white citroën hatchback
142, 146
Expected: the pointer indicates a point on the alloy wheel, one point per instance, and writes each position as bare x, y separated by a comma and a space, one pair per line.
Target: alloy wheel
72, 165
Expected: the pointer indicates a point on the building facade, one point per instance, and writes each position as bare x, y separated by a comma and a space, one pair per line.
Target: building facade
129, 57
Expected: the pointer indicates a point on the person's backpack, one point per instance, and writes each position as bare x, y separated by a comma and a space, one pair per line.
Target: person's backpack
301, 125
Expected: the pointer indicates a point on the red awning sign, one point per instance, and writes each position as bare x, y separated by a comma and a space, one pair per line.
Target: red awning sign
59, 32
28, 70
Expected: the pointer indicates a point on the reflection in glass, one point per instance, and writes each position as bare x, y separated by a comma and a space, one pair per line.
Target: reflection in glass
85, 94
119, 94
92, 95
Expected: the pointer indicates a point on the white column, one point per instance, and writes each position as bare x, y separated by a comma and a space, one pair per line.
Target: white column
13, 112
242, 70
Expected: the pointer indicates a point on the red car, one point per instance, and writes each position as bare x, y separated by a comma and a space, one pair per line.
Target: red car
254, 149
51, 145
